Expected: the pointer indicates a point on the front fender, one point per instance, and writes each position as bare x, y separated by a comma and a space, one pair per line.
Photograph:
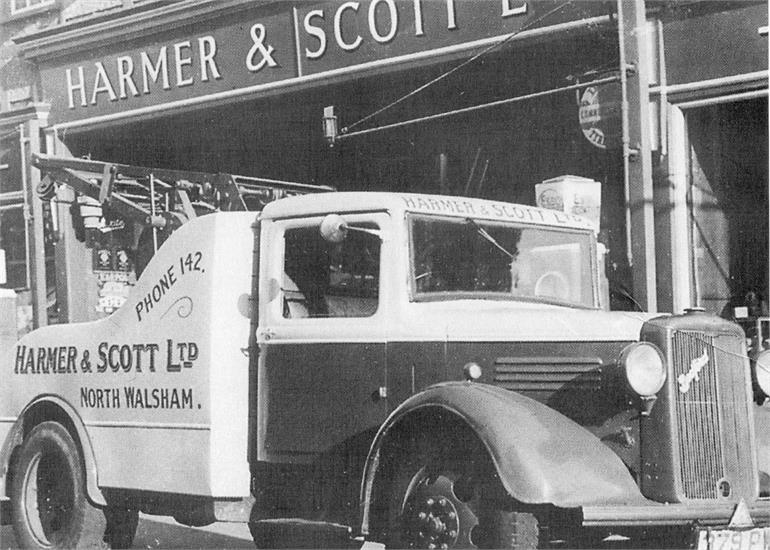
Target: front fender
540, 455
16, 436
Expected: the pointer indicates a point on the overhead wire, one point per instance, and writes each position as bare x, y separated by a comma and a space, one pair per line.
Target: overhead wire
529, 24
8, 134
472, 59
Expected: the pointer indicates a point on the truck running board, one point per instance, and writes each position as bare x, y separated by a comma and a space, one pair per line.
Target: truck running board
301, 533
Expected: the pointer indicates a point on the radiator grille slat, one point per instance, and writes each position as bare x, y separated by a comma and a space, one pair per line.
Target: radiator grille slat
711, 420
697, 418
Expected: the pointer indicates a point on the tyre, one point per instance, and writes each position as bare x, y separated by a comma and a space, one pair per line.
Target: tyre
121, 527
441, 498
48, 499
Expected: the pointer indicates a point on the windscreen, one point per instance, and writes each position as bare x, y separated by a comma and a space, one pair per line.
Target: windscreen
456, 258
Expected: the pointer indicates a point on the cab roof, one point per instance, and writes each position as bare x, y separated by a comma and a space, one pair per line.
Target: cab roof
403, 203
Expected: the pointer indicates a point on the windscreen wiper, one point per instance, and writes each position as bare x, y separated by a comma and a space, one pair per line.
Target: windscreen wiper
483, 232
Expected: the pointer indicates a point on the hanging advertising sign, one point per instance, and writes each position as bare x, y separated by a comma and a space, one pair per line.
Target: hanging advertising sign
258, 48
599, 114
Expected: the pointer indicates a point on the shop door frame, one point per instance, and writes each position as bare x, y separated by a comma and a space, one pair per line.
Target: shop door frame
683, 274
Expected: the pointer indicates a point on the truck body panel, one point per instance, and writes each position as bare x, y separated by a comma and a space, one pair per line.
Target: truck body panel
163, 381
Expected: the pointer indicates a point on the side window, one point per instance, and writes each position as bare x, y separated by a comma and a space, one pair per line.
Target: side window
322, 279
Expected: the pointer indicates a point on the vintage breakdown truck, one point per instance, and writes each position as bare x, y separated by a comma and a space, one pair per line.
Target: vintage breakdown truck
419, 371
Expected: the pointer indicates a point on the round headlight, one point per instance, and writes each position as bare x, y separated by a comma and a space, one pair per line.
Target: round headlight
762, 369
645, 371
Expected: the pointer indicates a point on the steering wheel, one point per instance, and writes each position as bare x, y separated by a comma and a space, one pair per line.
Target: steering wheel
552, 284
423, 280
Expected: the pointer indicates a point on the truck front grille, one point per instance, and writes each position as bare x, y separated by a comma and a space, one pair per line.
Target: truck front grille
709, 385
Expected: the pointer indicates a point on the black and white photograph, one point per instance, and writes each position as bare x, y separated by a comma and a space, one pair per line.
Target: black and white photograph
384, 274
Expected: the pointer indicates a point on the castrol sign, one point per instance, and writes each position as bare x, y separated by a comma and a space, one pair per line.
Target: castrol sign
599, 115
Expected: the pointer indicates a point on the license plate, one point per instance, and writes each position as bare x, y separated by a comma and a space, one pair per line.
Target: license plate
726, 539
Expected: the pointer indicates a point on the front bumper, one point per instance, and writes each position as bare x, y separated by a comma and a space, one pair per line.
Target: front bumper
652, 513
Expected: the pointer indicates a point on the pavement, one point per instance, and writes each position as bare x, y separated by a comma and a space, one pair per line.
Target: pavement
163, 532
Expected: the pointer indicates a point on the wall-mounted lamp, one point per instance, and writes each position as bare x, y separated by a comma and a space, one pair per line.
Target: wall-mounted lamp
330, 125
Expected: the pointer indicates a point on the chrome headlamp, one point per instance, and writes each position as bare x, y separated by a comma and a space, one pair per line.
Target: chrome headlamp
644, 367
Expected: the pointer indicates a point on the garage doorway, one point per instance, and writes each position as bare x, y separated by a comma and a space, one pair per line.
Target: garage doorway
728, 196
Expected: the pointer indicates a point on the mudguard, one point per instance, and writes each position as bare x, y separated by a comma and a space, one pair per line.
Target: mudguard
540, 455
16, 436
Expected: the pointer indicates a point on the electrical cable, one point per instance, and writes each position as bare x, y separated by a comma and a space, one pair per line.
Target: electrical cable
483, 52
465, 110
9, 134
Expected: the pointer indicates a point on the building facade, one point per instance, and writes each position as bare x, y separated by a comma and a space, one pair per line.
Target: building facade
711, 156
484, 99
27, 236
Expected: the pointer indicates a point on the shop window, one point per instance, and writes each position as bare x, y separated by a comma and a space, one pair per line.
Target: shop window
20, 6
13, 240
9, 157
87, 8
324, 279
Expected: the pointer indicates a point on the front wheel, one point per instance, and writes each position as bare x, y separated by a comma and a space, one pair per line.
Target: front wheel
441, 501
48, 500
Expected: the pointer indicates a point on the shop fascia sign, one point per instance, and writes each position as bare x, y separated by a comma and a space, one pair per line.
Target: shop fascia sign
297, 43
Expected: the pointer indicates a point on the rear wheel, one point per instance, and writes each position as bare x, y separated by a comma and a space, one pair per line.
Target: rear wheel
48, 500
442, 501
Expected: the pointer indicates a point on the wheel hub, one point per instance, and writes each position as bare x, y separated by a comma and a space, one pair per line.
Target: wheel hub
435, 517
433, 521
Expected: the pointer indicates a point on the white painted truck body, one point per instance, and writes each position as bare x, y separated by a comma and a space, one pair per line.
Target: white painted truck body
160, 386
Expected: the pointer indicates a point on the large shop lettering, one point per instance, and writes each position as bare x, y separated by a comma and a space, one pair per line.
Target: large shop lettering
277, 47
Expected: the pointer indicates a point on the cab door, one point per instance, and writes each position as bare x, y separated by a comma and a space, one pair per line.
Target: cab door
322, 375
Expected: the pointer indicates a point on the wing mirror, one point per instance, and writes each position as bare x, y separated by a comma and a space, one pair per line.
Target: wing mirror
334, 229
